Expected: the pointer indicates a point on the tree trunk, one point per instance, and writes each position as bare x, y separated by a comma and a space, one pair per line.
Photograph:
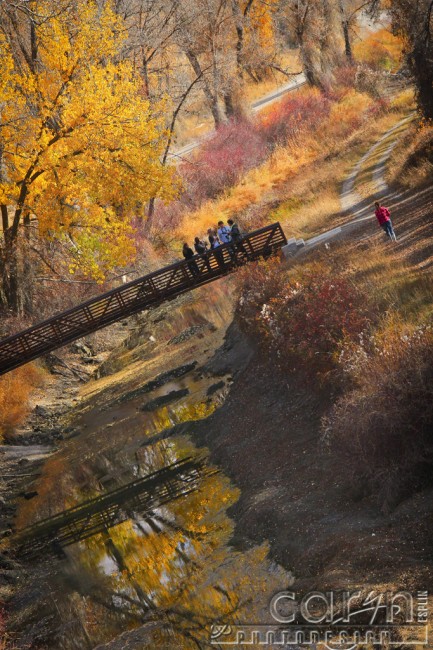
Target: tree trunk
229, 104
422, 66
212, 98
151, 208
117, 556
239, 23
346, 33
28, 280
309, 65
145, 75
10, 273
5, 217
307, 44
330, 47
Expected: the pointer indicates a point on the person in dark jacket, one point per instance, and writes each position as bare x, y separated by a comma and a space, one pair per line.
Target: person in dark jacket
235, 232
236, 237
212, 232
188, 254
214, 246
383, 216
201, 248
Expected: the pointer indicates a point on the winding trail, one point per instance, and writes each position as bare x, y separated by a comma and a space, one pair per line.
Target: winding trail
352, 203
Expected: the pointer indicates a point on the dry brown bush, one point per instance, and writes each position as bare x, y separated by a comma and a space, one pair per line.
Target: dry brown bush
382, 430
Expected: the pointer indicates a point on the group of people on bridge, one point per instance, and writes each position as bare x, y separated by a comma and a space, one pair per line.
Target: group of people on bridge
230, 237
229, 234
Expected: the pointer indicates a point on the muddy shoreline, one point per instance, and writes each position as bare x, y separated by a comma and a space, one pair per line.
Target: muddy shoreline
264, 434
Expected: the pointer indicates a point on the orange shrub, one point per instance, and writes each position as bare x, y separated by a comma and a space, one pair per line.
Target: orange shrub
381, 50
16, 388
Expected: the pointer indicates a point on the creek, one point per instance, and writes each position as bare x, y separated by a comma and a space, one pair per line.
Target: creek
169, 575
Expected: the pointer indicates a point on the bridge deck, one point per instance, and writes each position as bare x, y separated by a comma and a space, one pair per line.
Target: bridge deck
143, 293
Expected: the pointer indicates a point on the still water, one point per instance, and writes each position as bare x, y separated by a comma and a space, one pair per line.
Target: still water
160, 579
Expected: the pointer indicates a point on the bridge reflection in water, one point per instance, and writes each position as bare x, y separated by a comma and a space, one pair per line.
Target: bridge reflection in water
107, 510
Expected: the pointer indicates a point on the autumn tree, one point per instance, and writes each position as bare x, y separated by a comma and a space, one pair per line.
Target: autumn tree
316, 29
150, 42
414, 22
79, 144
350, 10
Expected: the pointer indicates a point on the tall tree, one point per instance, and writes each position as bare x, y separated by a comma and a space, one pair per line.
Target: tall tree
349, 12
79, 145
414, 22
316, 27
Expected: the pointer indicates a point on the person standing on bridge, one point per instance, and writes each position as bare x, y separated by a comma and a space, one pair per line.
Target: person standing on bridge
200, 248
188, 254
212, 236
383, 216
224, 233
236, 237
214, 246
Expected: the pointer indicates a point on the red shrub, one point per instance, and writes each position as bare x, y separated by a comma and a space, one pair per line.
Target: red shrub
345, 76
308, 317
235, 148
295, 114
380, 106
167, 217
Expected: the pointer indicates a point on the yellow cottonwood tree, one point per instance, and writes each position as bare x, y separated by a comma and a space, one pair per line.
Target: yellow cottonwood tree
79, 146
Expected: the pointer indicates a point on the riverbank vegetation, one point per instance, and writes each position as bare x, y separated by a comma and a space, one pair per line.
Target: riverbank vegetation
16, 390
354, 323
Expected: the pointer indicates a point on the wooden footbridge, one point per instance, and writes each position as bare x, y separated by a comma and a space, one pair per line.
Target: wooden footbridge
49, 536
144, 293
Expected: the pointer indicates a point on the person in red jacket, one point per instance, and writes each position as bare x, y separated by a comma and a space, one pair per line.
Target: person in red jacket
383, 216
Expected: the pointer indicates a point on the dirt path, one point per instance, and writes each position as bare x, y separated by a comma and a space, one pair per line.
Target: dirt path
366, 183
351, 200
411, 209
257, 106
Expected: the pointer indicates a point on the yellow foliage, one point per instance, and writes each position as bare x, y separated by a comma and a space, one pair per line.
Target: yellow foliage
81, 144
262, 23
404, 100
16, 388
380, 50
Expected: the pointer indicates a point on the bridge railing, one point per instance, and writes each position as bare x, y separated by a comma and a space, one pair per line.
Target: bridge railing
133, 297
